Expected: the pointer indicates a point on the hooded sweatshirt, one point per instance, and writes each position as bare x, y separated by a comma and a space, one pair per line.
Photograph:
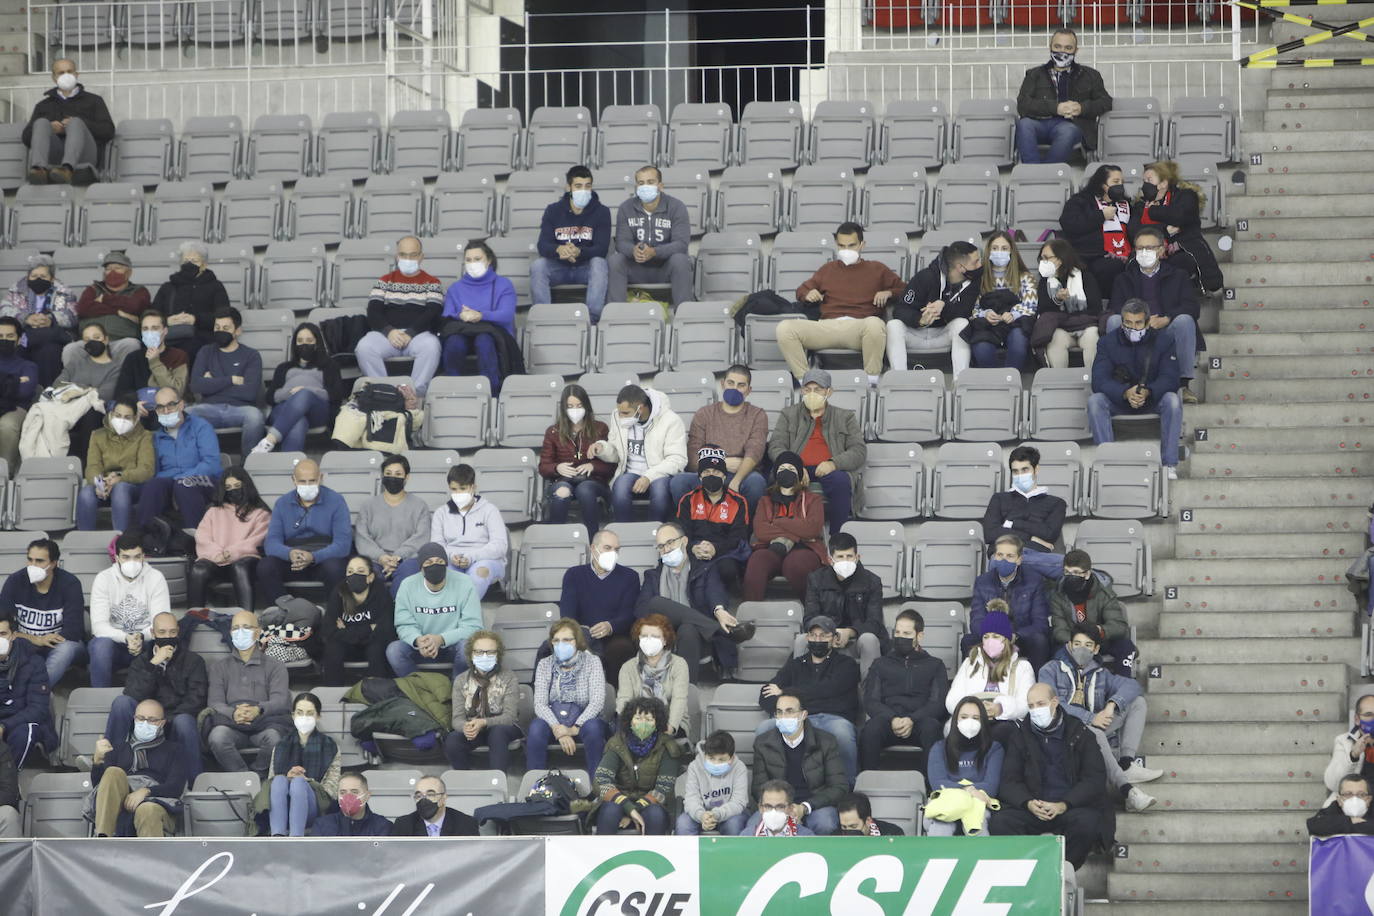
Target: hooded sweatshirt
121, 607
662, 442
1099, 686
491, 294
668, 230
478, 534
725, 796
589, 230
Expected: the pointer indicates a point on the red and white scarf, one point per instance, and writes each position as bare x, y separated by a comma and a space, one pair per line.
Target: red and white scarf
1115, 243
788, 829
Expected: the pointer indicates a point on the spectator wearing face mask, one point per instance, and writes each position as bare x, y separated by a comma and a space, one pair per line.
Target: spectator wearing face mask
115, 302
1070, 306
49, 608
965, 760
778, 814
119, 461
856, 818
249, 700
229, 539
936, 306
67, 131
393, 525
637, 775
565, 462
648, 445
479, 314
432, 816
471, 532
1028, 511
1353, 753
789, 532
795, 749
656, 672
303, 778
999, 330
359, 623
305, 390
904, 695
994, 672
46, 309
486, 698
1096, 221
89, 374
739, 429
574, 238
18, 388
716, 519
190, 298
569, 694
403, 312
1081, 596
138, 778
601, 595
354, 817
124, 599
26, 722
310, 534
850, 595
1137, 371
1348, 812
1167, 200
436, 612
717, 793
653, 230
829, 441
186, 460
227, 380
1022, 589
1059, 104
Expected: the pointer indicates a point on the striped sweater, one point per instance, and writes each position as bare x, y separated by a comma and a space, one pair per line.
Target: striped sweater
410, 304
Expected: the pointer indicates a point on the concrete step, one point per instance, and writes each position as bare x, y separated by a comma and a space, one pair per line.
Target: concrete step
1290, 321
1278, 416
1260, 520
1220, 545
1249, 252
1350, 118
1323, 571
1310, 141
1270, 768
1342, 366
1329, 79
1271, 707
1292, 464
1291, 344
1338, 390
1241, 440
1184, 827
1259, 599
1298, 162
1170, 796
1210, 858
1297, 228
1203, 673
1178, 888
1241, 624
1317, 272
1269, 181
1316, 207
1250, 299
1297, 100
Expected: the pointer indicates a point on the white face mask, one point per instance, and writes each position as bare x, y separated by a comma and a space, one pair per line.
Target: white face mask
66, 82
461, 500
969, 728
1047, 269
308, 492
304, 724
627, 422
673, 558
121, 425
475, 269
1147, 259
844, 568
408, 266
774, 820
847, 256
1042, 716
131, 568
4, 647
575, 414
37, 575
1135, 335
607, 559
1355, 807
650, 645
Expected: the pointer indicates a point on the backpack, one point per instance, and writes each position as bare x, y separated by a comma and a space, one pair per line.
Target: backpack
162, 539
555, 788
380, 396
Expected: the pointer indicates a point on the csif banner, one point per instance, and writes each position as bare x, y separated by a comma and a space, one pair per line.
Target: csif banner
1340, 876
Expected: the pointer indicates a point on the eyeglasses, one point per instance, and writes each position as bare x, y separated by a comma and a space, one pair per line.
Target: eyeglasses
153, 719
431, 795
489, 654
1344, 795
667, 546
168, 408
783, 808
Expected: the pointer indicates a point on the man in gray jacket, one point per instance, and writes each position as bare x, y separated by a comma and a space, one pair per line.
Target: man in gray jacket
652, 232
249, 700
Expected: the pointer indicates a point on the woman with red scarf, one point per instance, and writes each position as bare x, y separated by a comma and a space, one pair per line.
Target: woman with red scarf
1096, 221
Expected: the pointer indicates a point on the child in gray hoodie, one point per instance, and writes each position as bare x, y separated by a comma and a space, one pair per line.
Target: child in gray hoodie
717, 794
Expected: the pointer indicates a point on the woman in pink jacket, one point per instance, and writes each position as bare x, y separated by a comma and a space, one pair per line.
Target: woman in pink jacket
229, 539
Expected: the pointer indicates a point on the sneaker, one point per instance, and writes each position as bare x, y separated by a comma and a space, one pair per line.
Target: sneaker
1136, 773
38, 175
84, 762
1137, 801
1172, 472
266, 445
1186, 395
59, 174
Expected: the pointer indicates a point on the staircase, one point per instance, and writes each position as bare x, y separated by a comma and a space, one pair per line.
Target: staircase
1257, 647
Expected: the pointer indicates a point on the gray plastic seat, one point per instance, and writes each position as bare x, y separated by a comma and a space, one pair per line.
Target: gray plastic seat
909, 406
233, 264
392, 791
772, 392
72, 26
729, 265
527, 195
320, 209
637, 548
142, 151
1120, 549
965, 476
347, 19
45, 493
210, 149
251, 212
759, 343
1061, 472
556, 339
1132, 131
469, 790
558, 137
914, 132
701, 336
488, 140
892, 484
692, 186
687, 390
269, 332
935, 241
821, 197
80, 261
945, 559
216, 22
986, 405
444, 257
14, 161
1035, 198
272, 472
851, 392
152, 25
629, 136
85, 554
777, 625
749, 199
354, 475
888, 244
459, 412
553, 825
525, 408
429, 467
734, 708
221, 804
515, 255
181, 210
796, 256
282, 23
1126, 481
335, 718
1203, 126
1059, 404
293, 276
771, 133
843, 134
701, 135
463, 204
112, 215
278, 148
349, 144
42, 216
944, 629
982, 131
602, 388
83, 722
509, 478
357, 265
391, 206
895, 796
54, 804
629, 337
524, 628
966, 197
1202, 171
419, 142
895, 194
547, 552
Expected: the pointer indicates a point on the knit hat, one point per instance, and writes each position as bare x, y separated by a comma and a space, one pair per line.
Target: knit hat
711, 458
819, 376
791, 458
996, 622
117, 256
430, 550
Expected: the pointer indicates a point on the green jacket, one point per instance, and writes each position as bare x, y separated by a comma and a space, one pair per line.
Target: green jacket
1103, 609
429, 692
623, 781
132, 454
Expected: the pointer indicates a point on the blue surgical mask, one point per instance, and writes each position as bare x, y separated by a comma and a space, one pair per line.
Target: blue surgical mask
145, 731
647, 193
732, 396
152, 339
1023, 482
484, 663
1004, 568
242, 639
580, 199
716, 769
999, 258
564, 651
1367, 726
789, 725
168, 420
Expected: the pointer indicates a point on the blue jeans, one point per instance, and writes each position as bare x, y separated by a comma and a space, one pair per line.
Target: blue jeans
182, 729
107, 656
656, 820
161, 493
224, 416
405, 659
731, 826
294, 807
293, 418
122, 499
1048, 564
458, 748
1060, 133
839, 497
987, 355
456, 349
593, 735
751, 488
62, 656
594, 274
1170, 410
846, 736
661, 507
1184, 331
588, 493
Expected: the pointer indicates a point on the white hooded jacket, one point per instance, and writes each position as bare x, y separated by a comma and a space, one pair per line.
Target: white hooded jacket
665, 441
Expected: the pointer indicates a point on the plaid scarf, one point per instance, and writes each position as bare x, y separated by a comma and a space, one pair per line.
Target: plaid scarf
315, 755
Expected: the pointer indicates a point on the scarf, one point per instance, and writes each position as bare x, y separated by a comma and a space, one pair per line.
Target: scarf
783, 502
478, 707
654, 676
1078, 698
565, 679
315, 755
640, 749
788, 829
673, 584
1115, 243
873, 828
141, 748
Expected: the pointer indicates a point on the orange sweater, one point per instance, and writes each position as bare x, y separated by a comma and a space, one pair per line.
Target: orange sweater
849, 291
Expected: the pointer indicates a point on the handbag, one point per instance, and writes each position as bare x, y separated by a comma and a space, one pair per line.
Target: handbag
286, 642
566, 713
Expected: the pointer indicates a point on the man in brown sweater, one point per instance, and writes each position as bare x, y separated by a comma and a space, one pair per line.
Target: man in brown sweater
738, 427
851, 293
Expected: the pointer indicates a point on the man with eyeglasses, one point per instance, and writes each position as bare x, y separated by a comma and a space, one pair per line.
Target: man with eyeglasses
1347, 813
432, 817
249, 700
1172, 298
808, 759
187, 467
1137, 372
138, 777
354, 817
1353, 752
777, 815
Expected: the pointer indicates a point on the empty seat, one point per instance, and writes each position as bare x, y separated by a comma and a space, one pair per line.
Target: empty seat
892, 483
14, 161
687, 390
729, 265
914, 132
391, 206
630, 136
216, 22
489, 140
1120, 549
221, 804
986, 405
418, 142
429, 467
349, 144
1202, 171
444, 256
702, 336
78, 25
1203, 126
182, 210
54, 804
468, 790
112, 215
843, 134
796, 256
515, 255
251, 212
1059, 404
1035, 198
357, 265
525, 409
269, 332
41, 217
883, 548
821, 197
629, 337
510, 480
86, 554
770, 133
945, 559
850, 390
282, 22
888, 244
692, 185
210, 149
142, 151
463, 204
982, 131
558, 137
272, 472
233, 265
1126, 481
293, 276
749, 199
81, 261
895, 796
459, 409
391, 791
895, 194
527, 195
1131, 132
966, 197
321, 208
556, 339
353, 475
700, 134
151, 25
45, 493
772, 392
603, 387
346, 19
546, 552
83, 723
278, 148
777, 624
1061, 472
965, 476
910, 406
734, 708
524, 628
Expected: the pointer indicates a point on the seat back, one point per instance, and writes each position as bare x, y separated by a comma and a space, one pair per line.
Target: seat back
843, 133
321, 208
353, 475
336, 717
278, 147
1061, 472
603, 387
944, 630
391, 206
357, 265
914, 132
349, 144
556, 339
630, 136
142, 151
629, 337
691, 184
734, 708
1131, 132
463, 205
272, 472
211, 149
1202, 171
515, 255
182, 210
910, 406
525, 408
701, 337
982, 131
14, 165
883, 547
750, 199
469, 790
777, 624
509, 479
221, 804
945, 559
251, 212
293, 275
459, 409
392, 791
418, 142
558, 136
83, 723
966, 197
1059, 404
45, 493
236, 270
488, 140
637, 548
559, 825
700, 134
527, 195
1126, 481
729, 265
966, 475
1120, 549
892, 484
54, 805
524, 628
759, 346
1035, 197
895, 796
269, 332
888, 244
771, 133
1203, 126
547, 552
86, 554
772, 392
42, 216
987, 405
821, 197
796, 256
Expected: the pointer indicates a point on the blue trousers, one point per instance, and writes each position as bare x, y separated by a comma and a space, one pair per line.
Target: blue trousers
546, 273
731, 826
106, 657
1060, 133
405, 659
225, 416
661, 507
161, 492
122, 499
294, 807
62, 656
988, 355
608, 816
1101, 409
588, 493
458, 748
839, 497
182, 728
293, 418
456, 349
593, 735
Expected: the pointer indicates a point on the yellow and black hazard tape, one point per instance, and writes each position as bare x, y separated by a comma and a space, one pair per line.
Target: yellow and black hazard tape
1266, 58
1314, 63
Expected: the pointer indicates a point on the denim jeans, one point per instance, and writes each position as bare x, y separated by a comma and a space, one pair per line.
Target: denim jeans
62, 656
588, 492
731, 826
122, 499
987, 355
845, 736
1046, 563
405, 659
182, 728
293, 418
593, 736
1170, 410
548, 272
456, 350
1184, 331
751, 488
1060, 133
161, 493
458, 748
107, 656
656, 819
225, 416
661, 507
294, 806
839, 497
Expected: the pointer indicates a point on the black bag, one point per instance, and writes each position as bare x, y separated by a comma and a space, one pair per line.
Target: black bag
555, 788
379, 396
162, 539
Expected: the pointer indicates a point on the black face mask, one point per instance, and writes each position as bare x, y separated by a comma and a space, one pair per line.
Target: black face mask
166, 642
787, 478
852, 833
8, 347
188, 270
819, 649
95, 347
222, 339
356, 582
393, 485
234, 496
1149, 190
39, 286
426, 808
903, 645
434, 574
713, 484
1077, 587
1116, 193
307, 352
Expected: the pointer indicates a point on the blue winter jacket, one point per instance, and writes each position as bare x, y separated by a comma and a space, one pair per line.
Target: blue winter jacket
1024, 595
193, 453
1153, 359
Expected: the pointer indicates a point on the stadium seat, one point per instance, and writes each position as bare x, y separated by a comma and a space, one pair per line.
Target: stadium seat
687, 390
888, 245
349, 144
1202, 126
630, 136
772, 391
1035, 198
509, 479
391, 206
932, 243
1126, 481
1061, 472
821, 197
444, 256
354, 475
459, 411
74, 25
945, 559
488, 140
269, 332
347, 19
525, 409
914, 132
556, 339
233, 265
215, 22
749, 199
80, 262
553, 825
776, 624
1059, 404
558, 137
392, 791
141, 151
14, 166
83, 723
944, 630
965, 476
320, 209
464, 205
429, 467
251, 212
691, 184
637, 548
335, 718
986, 405
892, 483
210, 149
85, 554
469, 790
54, 806
734, 708
982, 131
909, 406
524, 628
966, 197
182, 210
1120, 549
545, 553
1202, 171
629, 337
771, 134
1131, 132
278, 148
796, 256
293, 276
418, 142
852, 392
883, 549
843, 134
896, 797
44, 493
282, 23
700, 134
42, 216
221, 804
602, 388
729, 265
272, 472
527, 195
357, 265
701, 336
515, 255
759, 346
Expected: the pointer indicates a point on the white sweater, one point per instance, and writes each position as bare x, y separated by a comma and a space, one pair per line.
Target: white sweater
972, 679
121, 607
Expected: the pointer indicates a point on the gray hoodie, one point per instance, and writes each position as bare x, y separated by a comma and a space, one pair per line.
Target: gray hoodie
667, 230
726, 795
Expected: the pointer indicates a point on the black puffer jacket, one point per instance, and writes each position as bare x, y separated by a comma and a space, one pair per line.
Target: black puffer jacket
856, 602
200, 295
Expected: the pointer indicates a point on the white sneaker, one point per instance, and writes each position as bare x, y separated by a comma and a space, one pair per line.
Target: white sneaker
265, 446
1137, 774
1172, 472
1137, 801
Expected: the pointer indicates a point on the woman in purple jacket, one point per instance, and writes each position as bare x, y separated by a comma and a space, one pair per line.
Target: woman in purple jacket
477, 309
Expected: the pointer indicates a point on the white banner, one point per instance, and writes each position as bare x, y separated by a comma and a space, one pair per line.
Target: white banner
622, 876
